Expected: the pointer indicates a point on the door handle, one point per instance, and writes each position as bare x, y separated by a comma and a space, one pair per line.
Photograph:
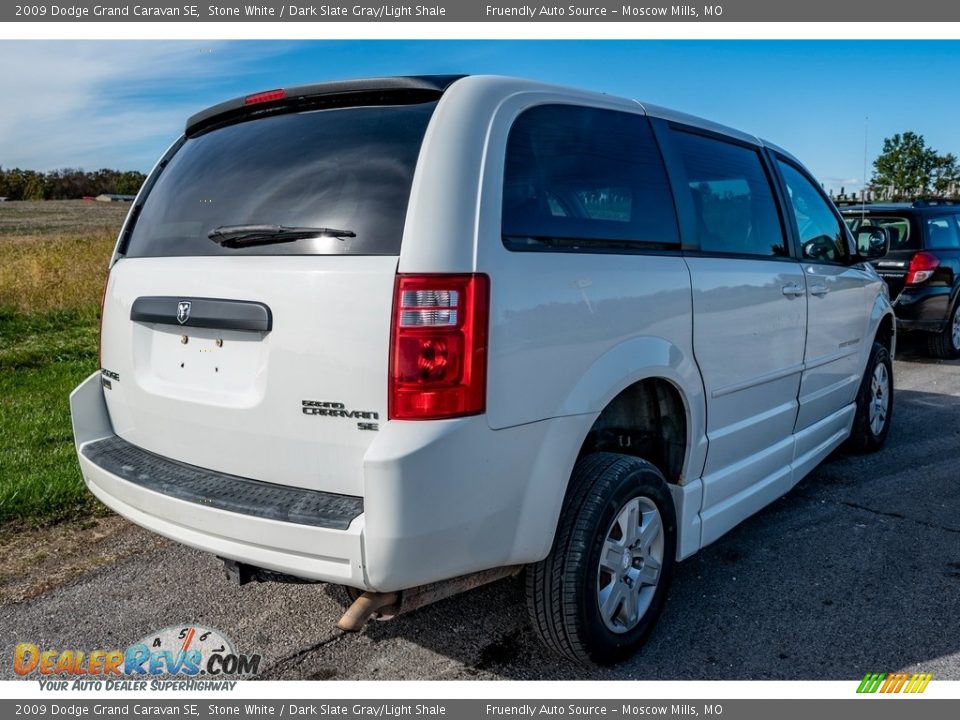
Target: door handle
819, 290
793, 290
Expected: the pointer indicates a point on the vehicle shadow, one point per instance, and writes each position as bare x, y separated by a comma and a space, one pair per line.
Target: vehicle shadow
856, 570
912, 346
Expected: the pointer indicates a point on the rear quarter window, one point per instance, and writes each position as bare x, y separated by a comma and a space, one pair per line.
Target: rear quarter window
942, 233
346, 168
580, 178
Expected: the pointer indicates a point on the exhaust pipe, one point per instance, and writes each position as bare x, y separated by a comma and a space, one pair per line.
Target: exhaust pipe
386, 606
363, 608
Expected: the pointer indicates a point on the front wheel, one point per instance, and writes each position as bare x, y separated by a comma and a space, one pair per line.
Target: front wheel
874, 403
600, 591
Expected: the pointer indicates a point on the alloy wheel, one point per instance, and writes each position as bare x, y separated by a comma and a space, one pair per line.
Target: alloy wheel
630, 563
879, 398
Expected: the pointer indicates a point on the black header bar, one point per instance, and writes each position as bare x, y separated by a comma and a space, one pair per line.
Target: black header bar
482, 11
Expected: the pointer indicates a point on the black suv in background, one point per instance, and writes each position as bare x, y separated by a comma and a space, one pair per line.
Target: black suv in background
922, 268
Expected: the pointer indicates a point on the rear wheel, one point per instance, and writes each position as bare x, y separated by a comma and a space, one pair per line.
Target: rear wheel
600, 591
946, 343
874, 403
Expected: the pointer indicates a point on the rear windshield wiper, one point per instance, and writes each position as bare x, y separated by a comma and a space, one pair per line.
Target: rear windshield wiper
238, 236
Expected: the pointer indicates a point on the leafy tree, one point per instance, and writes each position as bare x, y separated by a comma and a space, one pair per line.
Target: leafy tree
35, 187
909, 168
129, 183
946, 175
15, 180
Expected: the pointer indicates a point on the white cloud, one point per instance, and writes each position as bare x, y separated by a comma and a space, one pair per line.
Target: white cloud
834, 184
90, 104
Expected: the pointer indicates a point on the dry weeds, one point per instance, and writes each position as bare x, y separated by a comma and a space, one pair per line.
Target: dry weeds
55, 258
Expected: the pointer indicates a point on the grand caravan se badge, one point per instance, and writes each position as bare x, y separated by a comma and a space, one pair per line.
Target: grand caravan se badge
339, 410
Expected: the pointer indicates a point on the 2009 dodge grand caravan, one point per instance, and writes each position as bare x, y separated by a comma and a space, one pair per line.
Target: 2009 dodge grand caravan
409, 335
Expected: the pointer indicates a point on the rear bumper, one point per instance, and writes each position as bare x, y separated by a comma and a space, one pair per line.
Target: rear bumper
441, 499
115, 456
304, 550
923, 308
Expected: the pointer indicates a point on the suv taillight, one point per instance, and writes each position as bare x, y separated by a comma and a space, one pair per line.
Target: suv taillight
921, 268
438, 346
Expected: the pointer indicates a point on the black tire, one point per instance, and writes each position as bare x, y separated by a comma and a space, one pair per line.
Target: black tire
563, 589
865, 437
945, 344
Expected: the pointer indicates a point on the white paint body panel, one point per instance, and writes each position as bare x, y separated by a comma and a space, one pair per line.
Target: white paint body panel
837, 331
237, 408
764, 400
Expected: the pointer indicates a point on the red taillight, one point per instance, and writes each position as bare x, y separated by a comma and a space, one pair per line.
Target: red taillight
262, 97
921, 268
438, 346
103, 300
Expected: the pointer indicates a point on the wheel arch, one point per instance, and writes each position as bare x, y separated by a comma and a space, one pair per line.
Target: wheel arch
649, 419
613, 384
616, 375
886, 332
882, 327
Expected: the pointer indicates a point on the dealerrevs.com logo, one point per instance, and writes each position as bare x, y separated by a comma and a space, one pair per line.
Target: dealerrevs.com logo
188, 657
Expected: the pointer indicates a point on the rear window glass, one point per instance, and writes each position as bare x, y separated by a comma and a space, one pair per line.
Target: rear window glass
347, 168
942, 233
578, 176
898, 228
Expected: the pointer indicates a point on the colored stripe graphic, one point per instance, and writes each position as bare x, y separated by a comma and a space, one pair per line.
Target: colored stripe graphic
871, 682
918, 683
894, 683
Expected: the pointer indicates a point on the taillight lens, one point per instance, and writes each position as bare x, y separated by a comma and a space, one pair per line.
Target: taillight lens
103, 300
921, 268
438, 348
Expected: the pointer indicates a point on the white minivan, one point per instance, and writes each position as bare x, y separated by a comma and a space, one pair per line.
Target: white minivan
410, 335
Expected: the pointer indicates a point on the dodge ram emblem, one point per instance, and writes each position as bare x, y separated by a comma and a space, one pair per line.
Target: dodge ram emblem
183, 311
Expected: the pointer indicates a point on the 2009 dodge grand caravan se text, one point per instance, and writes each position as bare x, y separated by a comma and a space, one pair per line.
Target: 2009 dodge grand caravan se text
409, 335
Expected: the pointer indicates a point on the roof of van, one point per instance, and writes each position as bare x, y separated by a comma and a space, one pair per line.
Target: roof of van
426, 87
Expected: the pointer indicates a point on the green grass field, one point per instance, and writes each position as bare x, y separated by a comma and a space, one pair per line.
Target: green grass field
53, 259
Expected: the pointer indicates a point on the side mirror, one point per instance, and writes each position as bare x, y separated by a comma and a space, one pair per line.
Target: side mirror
822, 247
872, 242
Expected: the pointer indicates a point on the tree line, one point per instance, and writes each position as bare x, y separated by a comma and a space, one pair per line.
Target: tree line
908, 168
67, 183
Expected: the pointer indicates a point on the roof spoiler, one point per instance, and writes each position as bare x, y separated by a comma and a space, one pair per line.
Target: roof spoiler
369, 91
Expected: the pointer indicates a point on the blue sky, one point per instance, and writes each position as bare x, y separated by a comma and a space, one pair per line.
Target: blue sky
94, 104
